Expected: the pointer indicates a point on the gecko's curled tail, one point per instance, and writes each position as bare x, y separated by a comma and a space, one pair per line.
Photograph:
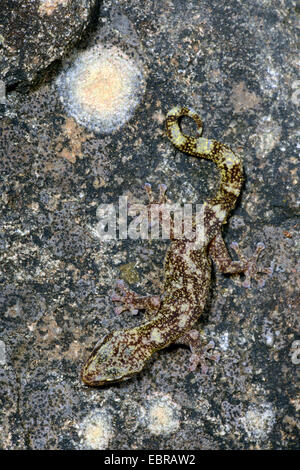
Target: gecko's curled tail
228, 163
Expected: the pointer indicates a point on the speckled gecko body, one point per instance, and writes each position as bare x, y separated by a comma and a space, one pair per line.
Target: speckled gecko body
187, 273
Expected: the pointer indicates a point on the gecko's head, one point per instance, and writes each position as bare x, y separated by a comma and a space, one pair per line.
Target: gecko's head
116, 357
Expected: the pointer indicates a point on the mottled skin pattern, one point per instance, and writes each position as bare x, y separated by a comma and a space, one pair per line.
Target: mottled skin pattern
187, 269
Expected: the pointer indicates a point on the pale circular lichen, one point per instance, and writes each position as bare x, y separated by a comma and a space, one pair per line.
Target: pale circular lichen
102, 88
48, 6
96, 431
258, 421
161, 415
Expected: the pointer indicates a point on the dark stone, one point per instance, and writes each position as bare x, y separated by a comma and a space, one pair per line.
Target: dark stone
35, 34
237, 64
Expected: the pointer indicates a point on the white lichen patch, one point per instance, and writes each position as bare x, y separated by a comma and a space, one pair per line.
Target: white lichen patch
96, 431
48, 6
160, 415
2, 353
258, 421
267, 136
102, 88
224, 341
2, 92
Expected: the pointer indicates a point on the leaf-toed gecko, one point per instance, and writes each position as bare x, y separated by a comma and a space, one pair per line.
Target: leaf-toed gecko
187, 273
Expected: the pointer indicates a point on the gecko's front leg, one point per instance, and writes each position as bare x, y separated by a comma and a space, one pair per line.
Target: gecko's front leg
130, 300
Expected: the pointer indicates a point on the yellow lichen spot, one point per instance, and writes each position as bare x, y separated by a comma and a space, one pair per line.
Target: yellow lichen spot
96, 431
48, 6
161, 415
129, 273
102, 88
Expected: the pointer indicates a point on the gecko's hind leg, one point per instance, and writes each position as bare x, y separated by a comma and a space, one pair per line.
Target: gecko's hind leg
130, 300
251, 270
221, 257
200, 352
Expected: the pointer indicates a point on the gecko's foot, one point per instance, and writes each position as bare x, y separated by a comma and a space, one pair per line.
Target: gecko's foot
200, 352
132, 301
251, 270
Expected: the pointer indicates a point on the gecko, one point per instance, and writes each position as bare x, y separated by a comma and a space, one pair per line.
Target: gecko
171, 318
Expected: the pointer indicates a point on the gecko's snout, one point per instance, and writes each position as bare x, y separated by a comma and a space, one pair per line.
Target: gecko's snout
111, 361
95, 371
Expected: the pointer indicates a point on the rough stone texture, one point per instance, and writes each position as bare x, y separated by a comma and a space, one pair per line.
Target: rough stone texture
34, 34
237, 64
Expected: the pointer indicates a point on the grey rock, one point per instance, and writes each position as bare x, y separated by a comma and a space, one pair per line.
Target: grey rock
236, 63
35, 34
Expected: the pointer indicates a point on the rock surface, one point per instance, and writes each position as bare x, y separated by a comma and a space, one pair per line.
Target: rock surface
35, 34
237, 64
